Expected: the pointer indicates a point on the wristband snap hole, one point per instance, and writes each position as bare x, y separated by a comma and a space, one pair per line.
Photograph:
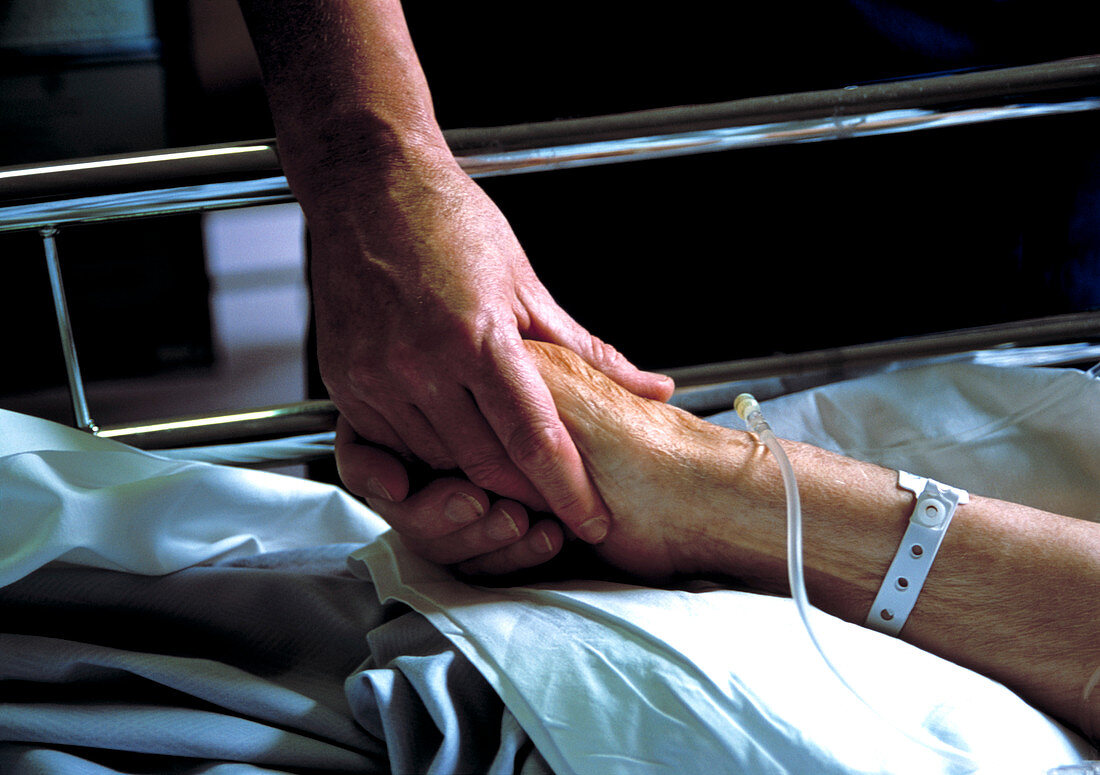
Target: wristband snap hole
916, 550
902, 583
886, 614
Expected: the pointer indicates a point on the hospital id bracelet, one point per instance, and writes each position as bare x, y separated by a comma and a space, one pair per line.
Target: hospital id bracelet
936, 504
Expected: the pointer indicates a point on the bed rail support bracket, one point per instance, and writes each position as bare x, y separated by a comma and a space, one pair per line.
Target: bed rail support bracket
81, 415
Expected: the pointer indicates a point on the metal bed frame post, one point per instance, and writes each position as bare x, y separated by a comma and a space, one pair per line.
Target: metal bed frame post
81, 413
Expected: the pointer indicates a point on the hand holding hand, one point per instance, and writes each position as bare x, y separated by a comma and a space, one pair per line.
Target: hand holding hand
423, 299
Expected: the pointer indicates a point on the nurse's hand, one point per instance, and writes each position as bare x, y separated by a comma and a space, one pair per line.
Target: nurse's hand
423, 299
422, 294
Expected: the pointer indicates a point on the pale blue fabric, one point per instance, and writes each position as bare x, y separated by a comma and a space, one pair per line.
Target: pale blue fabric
242, 667
159, 615
615, 679
66, 495
433, 706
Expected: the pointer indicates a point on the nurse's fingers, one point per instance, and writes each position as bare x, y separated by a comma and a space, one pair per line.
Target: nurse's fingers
517, 404
477, 451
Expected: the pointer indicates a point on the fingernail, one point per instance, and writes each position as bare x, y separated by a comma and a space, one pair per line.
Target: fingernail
503, 527
542, 543
377, 488
594, 530
462, 509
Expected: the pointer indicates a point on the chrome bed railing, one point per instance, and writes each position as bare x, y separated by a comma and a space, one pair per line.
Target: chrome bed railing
48, 197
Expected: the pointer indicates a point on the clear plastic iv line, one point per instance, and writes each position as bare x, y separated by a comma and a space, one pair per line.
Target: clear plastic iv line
748, 409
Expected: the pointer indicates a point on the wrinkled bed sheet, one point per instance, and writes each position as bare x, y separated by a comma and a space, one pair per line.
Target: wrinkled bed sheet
161, 616
281, 662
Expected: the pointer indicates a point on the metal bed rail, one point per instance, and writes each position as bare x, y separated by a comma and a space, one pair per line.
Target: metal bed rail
46, 197
241, 174
317, 416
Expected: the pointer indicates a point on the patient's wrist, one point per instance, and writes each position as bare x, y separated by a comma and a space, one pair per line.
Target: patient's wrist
738, 528
853, 516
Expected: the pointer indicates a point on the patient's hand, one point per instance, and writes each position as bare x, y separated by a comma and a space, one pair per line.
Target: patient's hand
654, 465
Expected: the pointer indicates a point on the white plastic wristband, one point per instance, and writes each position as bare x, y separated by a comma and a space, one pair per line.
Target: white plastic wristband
936, 504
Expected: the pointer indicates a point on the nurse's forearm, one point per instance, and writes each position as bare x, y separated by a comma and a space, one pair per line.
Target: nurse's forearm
346, 90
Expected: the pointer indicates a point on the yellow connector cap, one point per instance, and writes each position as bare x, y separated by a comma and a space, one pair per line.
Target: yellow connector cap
744, 405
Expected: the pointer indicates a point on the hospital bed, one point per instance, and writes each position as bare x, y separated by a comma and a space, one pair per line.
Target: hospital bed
164, 614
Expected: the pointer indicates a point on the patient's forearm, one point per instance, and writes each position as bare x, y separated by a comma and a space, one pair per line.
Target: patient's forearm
1014, 592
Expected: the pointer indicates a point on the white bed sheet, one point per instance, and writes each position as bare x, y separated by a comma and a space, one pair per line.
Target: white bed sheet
612, 678
1026, 435
730, 676
68, 496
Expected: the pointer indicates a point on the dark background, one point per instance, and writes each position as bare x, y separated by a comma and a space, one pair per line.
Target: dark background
676, 262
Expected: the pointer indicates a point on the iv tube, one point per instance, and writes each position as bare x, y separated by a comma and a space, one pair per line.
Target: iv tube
748, 409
